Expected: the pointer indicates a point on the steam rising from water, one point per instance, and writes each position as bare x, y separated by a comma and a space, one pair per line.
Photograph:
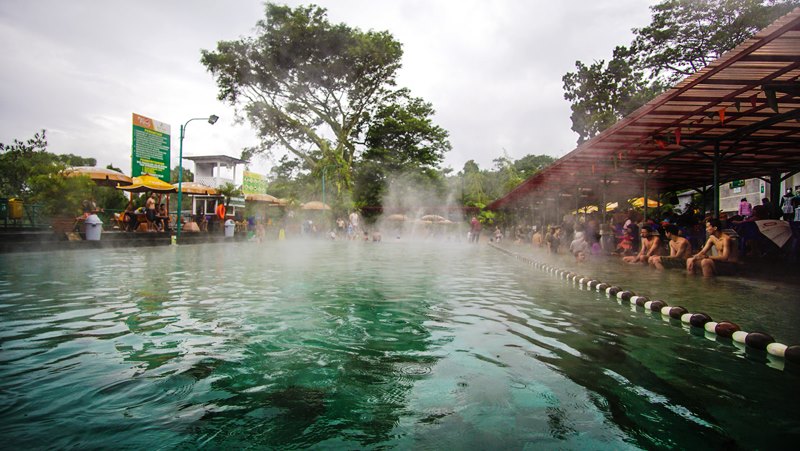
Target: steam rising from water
412, 209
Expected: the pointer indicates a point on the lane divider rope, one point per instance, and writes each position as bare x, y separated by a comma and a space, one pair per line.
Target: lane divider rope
726, 329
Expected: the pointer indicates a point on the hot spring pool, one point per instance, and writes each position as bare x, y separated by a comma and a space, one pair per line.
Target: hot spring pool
362, 345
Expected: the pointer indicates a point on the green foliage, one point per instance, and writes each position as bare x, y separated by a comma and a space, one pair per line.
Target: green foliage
228, 190
486, 216
60, 195
687, 35
188, 176
403, 147
30, 172
305, 84
109, 198
473, 183
601, 94
21, 161
75, 160
529, 165
683, 37
402, 136
290, 180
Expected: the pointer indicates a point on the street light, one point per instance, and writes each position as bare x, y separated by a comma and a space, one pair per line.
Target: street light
324, 170
211, 120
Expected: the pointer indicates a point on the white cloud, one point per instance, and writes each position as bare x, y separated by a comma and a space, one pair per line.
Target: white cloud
491, 69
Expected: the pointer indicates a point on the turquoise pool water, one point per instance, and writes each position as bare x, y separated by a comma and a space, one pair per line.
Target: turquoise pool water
375, 345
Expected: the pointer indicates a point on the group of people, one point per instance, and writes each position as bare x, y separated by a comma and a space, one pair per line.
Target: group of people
661, 245
717, 256
156, 216
348, 229
788, 209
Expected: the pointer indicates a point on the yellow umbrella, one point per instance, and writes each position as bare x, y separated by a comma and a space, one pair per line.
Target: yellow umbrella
261, 198
196, 188
100, 176
315, 205
639, 202
611, 206
586, 209
147, 182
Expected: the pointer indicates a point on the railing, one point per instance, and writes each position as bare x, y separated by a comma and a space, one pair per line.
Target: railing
18, 214
214, 182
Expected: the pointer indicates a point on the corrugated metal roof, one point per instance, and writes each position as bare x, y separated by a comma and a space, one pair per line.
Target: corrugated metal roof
744, 107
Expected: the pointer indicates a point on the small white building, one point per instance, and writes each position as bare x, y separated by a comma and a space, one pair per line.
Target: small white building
215, 171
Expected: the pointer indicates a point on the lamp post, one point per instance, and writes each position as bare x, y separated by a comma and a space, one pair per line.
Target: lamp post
211, 120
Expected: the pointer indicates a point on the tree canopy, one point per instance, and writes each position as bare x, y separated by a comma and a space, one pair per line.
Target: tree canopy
403, 145
683, 37
22, 161
305, 84
28, 171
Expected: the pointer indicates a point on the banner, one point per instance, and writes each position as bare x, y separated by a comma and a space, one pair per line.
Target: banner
151, 148
254, 183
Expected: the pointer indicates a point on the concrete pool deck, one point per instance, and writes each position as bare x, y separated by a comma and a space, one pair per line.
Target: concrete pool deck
39, 241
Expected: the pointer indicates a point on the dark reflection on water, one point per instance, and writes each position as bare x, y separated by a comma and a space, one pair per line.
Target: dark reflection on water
361, 345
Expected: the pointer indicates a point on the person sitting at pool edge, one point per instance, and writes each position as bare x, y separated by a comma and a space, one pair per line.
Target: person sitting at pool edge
679, 250
651, 246
722, 263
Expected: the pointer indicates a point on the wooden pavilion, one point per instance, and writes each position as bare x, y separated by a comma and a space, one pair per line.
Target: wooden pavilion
737, 118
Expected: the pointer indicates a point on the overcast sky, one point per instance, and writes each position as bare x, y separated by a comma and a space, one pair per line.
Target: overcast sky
491, 69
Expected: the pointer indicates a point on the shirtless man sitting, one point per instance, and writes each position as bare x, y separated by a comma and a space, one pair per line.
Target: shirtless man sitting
679, 250
713, 264
651, 246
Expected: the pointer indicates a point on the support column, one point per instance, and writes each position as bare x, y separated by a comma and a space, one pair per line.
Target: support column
775, 193
646, 174
577, 202
716, 180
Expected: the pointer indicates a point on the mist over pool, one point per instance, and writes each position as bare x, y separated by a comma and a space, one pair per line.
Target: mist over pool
421, 344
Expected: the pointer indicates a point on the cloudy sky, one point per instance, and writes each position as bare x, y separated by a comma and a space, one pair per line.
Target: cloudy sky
492, 70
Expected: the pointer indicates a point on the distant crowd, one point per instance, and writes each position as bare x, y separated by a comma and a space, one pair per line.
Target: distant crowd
694, 242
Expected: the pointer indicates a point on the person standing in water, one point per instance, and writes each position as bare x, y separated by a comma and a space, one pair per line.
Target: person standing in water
354, 220
474, 230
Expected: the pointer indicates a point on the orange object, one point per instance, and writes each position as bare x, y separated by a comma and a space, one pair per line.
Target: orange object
221, 211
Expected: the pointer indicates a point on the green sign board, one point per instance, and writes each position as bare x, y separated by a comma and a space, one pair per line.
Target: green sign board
253, 183
736, 184
151, 148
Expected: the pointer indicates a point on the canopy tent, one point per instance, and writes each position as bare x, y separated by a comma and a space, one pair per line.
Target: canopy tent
732, 120
196, 188
261, 198
100, 176
315, 205
145, 183
433, 218
397, 217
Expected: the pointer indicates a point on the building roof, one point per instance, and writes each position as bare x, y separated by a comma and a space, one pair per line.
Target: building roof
742, 110
223, 159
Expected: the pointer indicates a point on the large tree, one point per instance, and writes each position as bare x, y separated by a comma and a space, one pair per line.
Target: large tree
683, 37
305, 84
402, 145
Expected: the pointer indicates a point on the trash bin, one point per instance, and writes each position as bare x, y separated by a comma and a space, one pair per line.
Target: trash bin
15, 209
94, 228
230, 226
